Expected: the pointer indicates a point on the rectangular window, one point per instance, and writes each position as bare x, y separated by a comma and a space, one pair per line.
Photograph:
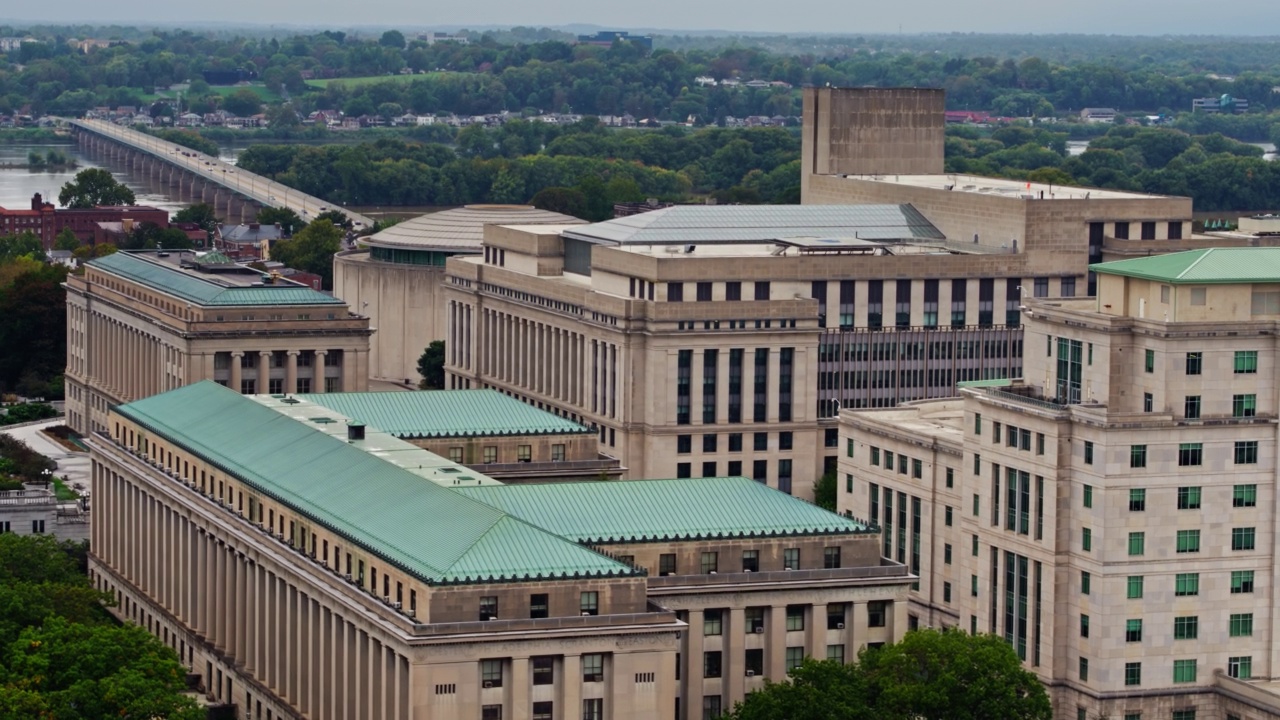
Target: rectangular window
593, 667
544, 670
1186, 584
1189, 498
1134, 587
1084, 670
1086, 582
1086, 539
675, 292
490, 712
1246, 452
491, 673
703, 291
835, 653
977, 464
1240, 666
795, 657
538, 605
593, 709
1133, 630
1137, 543
1088, 452
875, 456
667, 564
755, 663
1186, 627
1148, 402
977, 423
795, 617
1241, 581
712, 622
488, 608
1195, 362
1243, 538
917, 469
490, 454
733, 291
1137, 456
1188, 541
877, 611
684, 374
1246, 362
1149, 361
1244, 496
951, 481
1133, 673
1244, 405
709, 443
1137, 500
711, 664
751, 561
762, 290
1241, 625
754, 619
544, 710
1190, 454
684, 444
589, 603
1088, 496
1084, 626
1184, 671
710, 368
1191, 407
831, 558
947, 516
710, 562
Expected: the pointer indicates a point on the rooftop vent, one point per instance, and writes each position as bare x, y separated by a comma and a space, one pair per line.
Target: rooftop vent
355, 431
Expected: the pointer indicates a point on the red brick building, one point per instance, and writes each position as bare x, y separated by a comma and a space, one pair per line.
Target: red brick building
46, 221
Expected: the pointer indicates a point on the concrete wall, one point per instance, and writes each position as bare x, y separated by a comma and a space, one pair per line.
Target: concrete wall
867, 131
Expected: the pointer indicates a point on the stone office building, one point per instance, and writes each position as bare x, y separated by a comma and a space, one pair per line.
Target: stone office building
140, 323
1112, 512
310, 568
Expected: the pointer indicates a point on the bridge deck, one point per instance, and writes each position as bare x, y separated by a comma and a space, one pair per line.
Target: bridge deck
265, 192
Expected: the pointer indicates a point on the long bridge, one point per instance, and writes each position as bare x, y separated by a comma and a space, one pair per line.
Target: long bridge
235, 194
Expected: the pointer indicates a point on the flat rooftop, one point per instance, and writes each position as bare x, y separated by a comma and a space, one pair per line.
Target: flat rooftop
173, 273
1003, 187
942, 419
446, 413
747, 224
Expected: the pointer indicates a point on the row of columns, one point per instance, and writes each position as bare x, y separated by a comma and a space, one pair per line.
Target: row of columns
554, 362
263, 371
272, 630
128, 362
773, 369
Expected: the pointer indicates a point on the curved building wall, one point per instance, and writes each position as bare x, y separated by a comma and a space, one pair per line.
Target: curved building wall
404, 303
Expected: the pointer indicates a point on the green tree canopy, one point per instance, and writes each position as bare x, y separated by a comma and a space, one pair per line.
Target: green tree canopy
92, 187
569, 201
201, 214
311, 249
392, 39
285, 217
825, 491
930, 675
66, 240
243, 102
23, 245
431, 366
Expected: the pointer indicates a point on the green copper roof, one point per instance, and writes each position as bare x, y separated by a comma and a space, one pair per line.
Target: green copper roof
1201, 267
200, 291
650, 510
446, 413
425, 529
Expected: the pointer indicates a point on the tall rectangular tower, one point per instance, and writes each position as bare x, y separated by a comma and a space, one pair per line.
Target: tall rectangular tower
872, 131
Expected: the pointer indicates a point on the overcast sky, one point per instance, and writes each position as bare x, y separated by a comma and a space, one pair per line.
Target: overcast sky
1119, 17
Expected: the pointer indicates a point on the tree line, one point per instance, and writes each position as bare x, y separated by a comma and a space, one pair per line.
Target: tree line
543, 72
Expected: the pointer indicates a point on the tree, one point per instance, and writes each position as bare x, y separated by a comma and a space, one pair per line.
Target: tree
312, 249
392, 39
66, 240
286, 218
337, 217
431, 367
824, 690
23, 245
243, 102
951, 675
569, 201
92, 187
201, 214
825, 491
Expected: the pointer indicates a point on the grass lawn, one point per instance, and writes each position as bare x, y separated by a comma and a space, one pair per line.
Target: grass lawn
371, 79
64, 493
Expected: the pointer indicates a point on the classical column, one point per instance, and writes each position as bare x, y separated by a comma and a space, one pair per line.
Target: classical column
573, 685
236, 359
899, 619
735, 643
693, 656
263, 384
817, 635
775, 661
857, 628
317, 383
291, 372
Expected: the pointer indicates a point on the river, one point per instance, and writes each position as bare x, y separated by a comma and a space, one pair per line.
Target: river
17, 185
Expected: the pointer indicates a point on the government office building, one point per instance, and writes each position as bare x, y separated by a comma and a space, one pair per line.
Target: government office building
140, 323
309, 567
705, 340
1111, 513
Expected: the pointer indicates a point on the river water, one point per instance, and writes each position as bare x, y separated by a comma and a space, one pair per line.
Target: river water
17, 185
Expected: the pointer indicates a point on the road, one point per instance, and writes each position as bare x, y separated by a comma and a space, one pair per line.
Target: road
264, 191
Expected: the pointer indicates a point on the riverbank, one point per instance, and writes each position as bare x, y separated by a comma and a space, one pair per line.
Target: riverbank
55, 167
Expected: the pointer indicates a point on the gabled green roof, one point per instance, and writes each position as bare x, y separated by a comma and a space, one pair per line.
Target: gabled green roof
446, 413
432, 532
204, 292
655, 510
1221, 266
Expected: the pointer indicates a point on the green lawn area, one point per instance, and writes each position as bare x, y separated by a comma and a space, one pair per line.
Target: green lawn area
64, 493
258, 88
371, 79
